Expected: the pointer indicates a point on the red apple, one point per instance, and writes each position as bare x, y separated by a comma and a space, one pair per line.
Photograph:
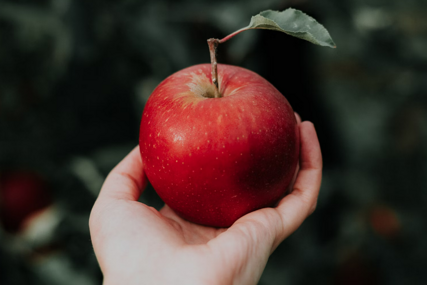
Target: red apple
213, 160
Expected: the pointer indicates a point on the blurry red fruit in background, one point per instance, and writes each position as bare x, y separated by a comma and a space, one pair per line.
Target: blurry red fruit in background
385, 222
21, 195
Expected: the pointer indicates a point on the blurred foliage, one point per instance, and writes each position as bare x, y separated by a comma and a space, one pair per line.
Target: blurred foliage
74, 77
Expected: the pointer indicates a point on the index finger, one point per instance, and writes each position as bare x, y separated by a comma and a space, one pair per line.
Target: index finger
127, 180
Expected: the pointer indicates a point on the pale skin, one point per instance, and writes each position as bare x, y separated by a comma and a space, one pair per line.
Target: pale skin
136, 244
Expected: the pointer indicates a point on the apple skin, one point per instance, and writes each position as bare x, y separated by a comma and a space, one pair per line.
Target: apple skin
213, 160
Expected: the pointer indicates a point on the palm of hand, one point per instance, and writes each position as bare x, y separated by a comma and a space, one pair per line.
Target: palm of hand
135, 231
132, 240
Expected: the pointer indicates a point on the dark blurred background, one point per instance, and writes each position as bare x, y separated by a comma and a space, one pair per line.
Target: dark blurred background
74, 78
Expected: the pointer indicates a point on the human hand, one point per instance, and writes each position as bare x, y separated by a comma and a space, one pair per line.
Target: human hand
136, 244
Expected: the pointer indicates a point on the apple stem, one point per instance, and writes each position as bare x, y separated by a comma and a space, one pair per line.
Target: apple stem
213, 44
232, 35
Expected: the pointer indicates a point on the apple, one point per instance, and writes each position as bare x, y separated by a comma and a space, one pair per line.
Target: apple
219, 141
213, 160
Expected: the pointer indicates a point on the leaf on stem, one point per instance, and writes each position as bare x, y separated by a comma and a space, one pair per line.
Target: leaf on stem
292, 22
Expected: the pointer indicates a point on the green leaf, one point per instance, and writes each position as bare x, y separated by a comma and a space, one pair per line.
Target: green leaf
292, 22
